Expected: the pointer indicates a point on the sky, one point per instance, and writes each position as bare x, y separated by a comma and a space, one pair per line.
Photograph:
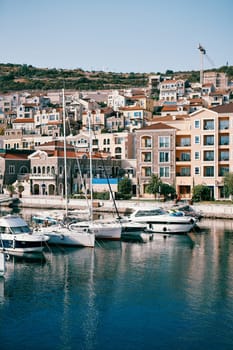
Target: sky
141, 36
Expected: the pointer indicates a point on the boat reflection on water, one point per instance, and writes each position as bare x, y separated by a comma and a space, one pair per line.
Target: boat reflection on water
84, 298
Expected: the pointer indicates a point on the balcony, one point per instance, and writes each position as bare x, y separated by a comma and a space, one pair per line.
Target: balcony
185, 144
183, 174
42, 176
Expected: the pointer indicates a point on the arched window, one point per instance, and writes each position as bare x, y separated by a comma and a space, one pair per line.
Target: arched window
23, 170
146, 141
118, 150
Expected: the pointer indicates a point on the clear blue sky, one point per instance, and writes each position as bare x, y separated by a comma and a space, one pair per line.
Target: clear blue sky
118, 36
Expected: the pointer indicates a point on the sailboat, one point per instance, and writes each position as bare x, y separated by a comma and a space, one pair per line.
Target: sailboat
68, 233
104, 229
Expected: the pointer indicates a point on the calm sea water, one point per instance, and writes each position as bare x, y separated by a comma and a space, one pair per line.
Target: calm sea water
165, 294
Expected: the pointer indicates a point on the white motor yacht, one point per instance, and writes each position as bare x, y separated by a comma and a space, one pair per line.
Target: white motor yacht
16, 237
158, 220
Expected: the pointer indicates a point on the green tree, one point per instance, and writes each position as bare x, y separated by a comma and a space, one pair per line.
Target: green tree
167, 190
228, 184
125, 188
11, 189
201, 193
154, 186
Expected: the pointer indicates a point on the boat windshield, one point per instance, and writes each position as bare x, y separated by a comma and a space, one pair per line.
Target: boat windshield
150, 212
20, 229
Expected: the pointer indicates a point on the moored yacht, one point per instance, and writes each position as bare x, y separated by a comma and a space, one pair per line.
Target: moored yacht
68, 235
16, 237
158, 220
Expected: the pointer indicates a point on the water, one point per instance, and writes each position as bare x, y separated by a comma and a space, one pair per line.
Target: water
165, 294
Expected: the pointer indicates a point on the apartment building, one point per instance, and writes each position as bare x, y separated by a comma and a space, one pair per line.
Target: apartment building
47, 169
172, 90
119, 145
200, 155
218, 79
155, 145
135, 117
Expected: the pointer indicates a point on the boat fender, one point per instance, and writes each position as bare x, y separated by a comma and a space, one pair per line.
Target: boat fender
62, 237
191, 221
7, 256
164, 229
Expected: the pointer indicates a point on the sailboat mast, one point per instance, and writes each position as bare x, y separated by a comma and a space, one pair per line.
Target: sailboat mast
65, 163
90, 156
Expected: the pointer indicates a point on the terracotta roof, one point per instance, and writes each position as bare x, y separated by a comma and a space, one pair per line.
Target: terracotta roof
169, 108
195, 101
27, 104
207, 85
15, 156
227, 108
55, 122
23, 120
136, 97
133, 108
169, 118
219, 92
169, 81
157, 126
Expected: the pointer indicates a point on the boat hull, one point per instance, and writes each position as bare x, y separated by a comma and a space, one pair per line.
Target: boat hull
103, 230
13, 242
112, 233
158, 220
68, 236
171, 228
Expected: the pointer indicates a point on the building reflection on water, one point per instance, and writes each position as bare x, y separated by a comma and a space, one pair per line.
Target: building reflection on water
79, 289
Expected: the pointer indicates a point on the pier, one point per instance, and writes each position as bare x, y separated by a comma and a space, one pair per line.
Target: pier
209, 210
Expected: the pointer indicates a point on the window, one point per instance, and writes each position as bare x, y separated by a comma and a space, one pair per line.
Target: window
164, 141
197, 140
185, 156
208, 171
119, 140
164, 157
224, 155
197, 170
11, 169
185, 141
146, 157
185, 171
146, 171
208, 155
224, 140
146, 141
209, 140
197, 124
223, 124
223, 170
197, 155
118, 150
208, 124
164, 171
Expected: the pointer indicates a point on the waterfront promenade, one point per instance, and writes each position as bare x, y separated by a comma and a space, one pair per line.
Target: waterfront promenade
212, 210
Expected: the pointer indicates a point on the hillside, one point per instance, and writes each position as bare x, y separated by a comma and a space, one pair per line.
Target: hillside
16, 77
